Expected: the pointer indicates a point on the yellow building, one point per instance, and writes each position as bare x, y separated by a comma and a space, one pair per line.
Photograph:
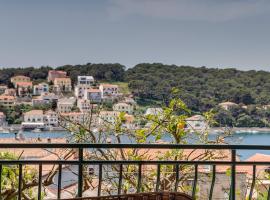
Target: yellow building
7, 101
16, 79
62, 85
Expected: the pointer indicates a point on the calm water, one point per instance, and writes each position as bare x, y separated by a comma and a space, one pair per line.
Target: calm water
258, 138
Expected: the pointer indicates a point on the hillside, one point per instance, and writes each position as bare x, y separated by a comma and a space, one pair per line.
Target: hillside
201, 88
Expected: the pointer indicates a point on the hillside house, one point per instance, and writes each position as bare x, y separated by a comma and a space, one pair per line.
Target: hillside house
86, 80
51, 119
7, 101
94, 95
109, 90
53, 74
10, 92
65, 105
196, 123
24, 88
79, 90
15, 79
228, 105
84, 105
3, 121
40, 88
62, 85
3, 89
123, 107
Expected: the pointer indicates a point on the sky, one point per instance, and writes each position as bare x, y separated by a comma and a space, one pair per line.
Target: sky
212, 33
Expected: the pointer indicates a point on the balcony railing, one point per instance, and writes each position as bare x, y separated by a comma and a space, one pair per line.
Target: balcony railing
80, 162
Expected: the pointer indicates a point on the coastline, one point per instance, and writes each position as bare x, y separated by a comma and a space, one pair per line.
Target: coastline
241, 129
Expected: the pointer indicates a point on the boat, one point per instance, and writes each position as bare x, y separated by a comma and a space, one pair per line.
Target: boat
19, 135
36, 130
3, 130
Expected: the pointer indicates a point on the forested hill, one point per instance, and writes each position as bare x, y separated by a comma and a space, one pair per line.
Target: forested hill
101, 72
201, 88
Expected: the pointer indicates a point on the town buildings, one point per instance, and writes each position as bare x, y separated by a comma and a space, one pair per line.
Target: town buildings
80, 90
94, 95
62, 85
228, 105
123, 107
7, 101
15, 79
65, 105
109, 90
40, 88
196, 123
53, 74
86, 80
2, 89
33, 119
51, 119
24, 88
84, 105
3, 121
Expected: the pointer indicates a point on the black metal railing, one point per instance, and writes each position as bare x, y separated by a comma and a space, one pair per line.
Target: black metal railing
80, 162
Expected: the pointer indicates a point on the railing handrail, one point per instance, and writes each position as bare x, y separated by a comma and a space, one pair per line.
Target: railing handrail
136, 146
80, 161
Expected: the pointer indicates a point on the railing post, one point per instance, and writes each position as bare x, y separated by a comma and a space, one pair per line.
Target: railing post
120, 179
233, 185
176, 177
1, 181
195, 182
80, 174
39, 181
20, 183
59, 186
158, 177
139, 185
212, 183
99, 179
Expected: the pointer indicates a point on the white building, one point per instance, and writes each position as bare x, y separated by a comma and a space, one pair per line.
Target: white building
62, 85
71, 118
51, 119
228, 105
84, 105
79, 90
33, 116
123, 107
65, 105
108, 117
109, 90
49, 97
33, 119
40, 88
24, 88
3, 89
86, 80
197, 123
3, 121
130, 100
153, 111
45, 98
94, 95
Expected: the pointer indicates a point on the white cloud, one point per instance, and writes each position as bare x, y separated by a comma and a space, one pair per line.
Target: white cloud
194, 10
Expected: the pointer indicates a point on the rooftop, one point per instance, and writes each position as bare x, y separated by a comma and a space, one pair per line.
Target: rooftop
93, 90
106, 85
34, 112
6, 97
227, 103
62, 79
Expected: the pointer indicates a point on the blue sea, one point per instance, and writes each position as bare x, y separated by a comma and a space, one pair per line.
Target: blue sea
250, 138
